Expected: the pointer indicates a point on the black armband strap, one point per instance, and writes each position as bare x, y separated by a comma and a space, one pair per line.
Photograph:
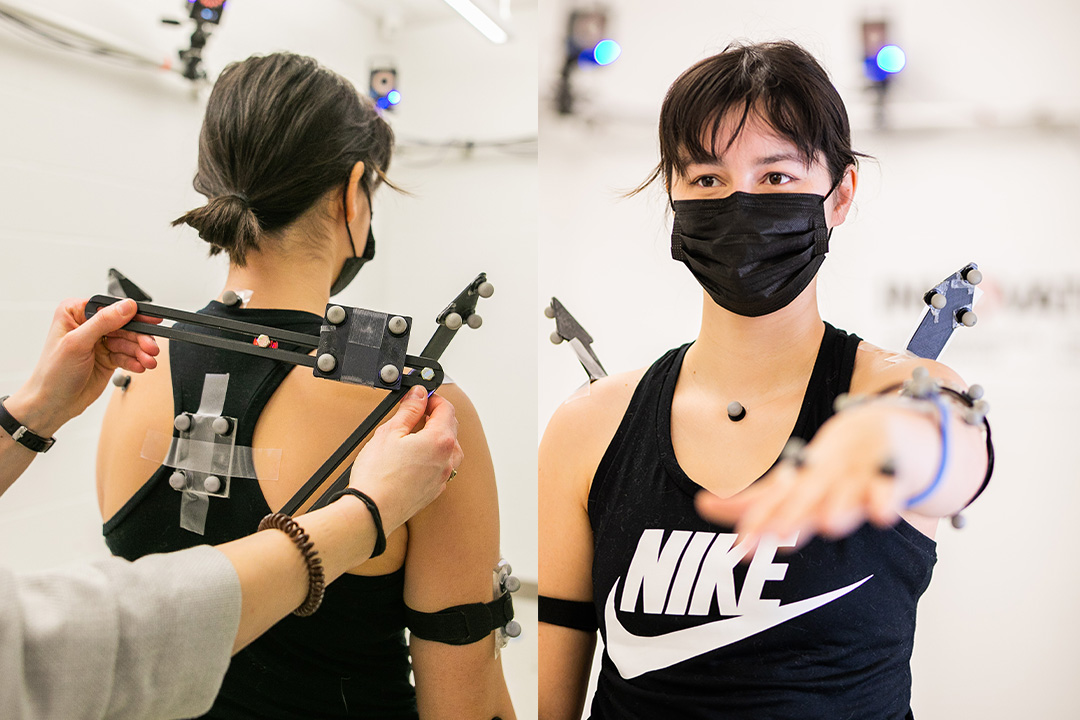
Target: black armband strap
461, 624
989, 463
576, 614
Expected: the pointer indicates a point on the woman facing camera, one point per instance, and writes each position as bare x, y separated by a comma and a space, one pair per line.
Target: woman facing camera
289, 158
725, 582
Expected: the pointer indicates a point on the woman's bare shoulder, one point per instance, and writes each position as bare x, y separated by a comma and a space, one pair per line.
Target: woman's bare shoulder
581, 429
877, 369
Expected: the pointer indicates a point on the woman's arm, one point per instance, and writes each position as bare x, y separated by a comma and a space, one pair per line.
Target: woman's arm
575, 440
400, 470
566, 553
840, 485
453, 549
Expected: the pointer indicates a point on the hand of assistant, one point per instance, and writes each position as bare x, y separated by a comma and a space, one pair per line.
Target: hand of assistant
78, 359
404, 469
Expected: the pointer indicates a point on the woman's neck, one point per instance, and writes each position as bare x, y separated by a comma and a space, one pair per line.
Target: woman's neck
755, 359
291, 281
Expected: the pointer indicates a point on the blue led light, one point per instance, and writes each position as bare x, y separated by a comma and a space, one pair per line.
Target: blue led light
891, 59
382, 103
606, 52
207, 14
393, 97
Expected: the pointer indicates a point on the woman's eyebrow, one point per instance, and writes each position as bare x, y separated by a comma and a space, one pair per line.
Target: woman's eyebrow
782, 157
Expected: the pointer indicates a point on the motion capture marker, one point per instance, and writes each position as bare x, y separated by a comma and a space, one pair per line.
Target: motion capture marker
178, 480
975, 392
121, 380
427, 374
263, 341
182, 422
972, 275
389, 374
966, 317
397, 326
221, 426
936, 300
513, 628
958, 521
452, 321
735, 411
212, 484
485, 289
326, 362
230, 298
475, 321
555, 337
794, 452
512, 584
843, 401
549, 312
336, 314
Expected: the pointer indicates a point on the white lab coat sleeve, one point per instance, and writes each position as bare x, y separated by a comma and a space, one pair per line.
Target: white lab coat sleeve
116, 639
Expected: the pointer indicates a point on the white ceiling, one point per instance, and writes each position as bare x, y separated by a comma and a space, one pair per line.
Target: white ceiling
423, 11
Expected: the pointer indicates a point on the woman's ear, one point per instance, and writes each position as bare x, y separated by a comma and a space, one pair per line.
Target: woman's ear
355, 199
843, 196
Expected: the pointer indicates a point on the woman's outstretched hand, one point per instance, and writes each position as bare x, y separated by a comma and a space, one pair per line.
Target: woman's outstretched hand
837, 487
79, 357
402, 470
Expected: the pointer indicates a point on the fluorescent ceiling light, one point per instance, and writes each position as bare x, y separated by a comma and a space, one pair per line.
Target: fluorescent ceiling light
479, 20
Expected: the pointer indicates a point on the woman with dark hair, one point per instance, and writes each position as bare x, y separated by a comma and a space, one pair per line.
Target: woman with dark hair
727, 583
289, 157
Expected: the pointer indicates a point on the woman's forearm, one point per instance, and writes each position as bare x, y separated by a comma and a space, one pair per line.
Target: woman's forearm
273, 574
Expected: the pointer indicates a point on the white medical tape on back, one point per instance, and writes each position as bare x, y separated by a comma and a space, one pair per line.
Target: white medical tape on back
163, 449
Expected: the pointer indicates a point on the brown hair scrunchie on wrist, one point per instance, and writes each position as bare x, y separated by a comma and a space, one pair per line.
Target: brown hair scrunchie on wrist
316, 577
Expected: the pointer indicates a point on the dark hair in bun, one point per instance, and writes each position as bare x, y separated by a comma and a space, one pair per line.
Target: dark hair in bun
280, 131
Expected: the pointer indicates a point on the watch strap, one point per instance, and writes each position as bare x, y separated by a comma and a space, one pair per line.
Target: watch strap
22, 434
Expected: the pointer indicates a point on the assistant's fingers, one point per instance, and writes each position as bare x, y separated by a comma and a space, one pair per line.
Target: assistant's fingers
118, 347
409, 413
108, 319
441, 414
147, 342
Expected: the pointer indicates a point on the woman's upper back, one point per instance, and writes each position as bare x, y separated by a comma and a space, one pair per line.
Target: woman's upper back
337, 663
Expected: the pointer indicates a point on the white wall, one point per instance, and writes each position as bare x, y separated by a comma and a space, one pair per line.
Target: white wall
97, 158
998, 626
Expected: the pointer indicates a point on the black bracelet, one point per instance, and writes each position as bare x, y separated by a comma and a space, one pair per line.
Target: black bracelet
380, 536
22, 434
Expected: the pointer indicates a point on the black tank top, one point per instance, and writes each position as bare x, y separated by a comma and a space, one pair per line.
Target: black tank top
349, 659
689, 632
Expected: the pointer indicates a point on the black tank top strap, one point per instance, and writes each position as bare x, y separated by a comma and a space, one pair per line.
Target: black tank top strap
830, 377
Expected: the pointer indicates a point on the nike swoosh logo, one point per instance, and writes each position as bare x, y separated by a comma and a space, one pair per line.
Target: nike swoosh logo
635, 655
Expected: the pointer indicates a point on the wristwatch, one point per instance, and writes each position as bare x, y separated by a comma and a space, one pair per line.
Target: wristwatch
22, 434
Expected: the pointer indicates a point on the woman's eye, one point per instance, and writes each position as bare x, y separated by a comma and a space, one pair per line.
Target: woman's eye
707, 181
777, 178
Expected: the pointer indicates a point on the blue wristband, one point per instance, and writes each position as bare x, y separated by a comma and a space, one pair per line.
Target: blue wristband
944, 427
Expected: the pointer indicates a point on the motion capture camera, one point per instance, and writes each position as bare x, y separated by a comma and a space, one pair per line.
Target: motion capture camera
208, 11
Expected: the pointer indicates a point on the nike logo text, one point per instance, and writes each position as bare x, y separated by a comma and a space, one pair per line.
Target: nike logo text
682, 577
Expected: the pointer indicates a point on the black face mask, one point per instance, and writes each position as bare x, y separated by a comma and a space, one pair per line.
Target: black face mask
352, 265
752, 252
